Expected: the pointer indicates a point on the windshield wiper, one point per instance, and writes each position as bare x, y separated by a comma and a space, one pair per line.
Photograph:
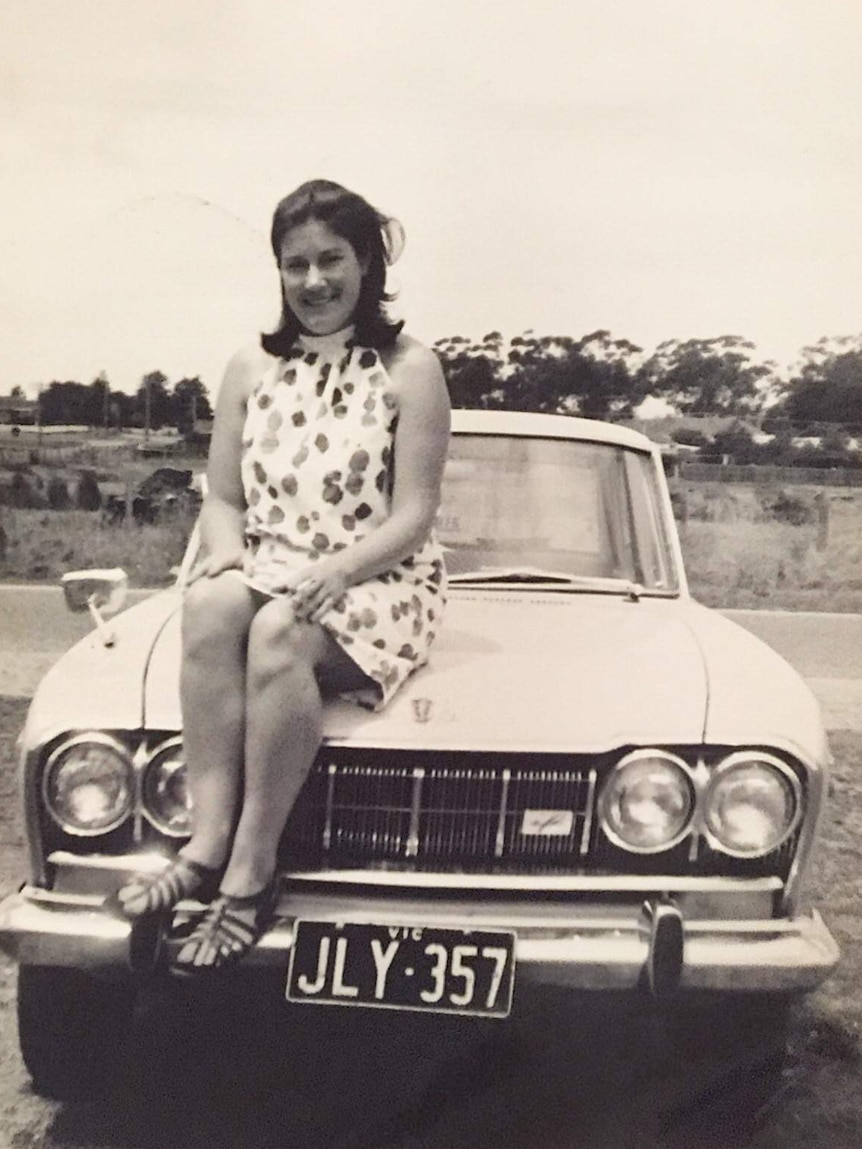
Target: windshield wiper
512, 574
508, 576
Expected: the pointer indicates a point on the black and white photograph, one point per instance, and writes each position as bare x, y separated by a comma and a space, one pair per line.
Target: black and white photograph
431, 574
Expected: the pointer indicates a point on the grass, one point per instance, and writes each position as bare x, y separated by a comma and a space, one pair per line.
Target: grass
738, 554
42, 545
820, 1105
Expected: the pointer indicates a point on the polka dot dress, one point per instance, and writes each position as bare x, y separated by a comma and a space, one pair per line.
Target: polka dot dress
317, 472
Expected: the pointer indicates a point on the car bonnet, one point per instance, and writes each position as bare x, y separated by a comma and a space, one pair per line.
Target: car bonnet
97, 686
520, 670
755, 697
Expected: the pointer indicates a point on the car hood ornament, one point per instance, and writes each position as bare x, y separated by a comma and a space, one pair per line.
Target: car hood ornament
422, 708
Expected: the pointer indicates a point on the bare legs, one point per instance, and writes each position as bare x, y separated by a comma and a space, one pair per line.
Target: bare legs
217, 615
252, 719
252, 711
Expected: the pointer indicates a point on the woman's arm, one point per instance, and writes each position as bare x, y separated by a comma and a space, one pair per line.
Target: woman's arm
421, 443
223, 512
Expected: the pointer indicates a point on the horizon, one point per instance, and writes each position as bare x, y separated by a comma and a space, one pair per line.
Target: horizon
653, 168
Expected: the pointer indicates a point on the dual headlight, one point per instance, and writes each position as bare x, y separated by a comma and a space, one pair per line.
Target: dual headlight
91, 786
747, 805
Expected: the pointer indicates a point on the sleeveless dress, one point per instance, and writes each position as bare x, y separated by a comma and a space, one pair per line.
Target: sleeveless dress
317, 468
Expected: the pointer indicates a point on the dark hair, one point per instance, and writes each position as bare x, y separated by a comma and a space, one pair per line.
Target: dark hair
364, 228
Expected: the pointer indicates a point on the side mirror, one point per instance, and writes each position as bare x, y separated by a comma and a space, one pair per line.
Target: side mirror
102, 591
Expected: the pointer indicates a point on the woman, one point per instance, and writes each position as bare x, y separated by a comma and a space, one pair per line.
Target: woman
321, 574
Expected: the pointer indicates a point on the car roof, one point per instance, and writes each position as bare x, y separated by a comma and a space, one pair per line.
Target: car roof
532, 425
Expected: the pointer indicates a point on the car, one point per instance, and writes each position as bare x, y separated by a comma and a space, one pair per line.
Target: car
596, 783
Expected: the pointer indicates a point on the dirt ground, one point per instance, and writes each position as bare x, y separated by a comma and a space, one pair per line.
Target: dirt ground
504, 1095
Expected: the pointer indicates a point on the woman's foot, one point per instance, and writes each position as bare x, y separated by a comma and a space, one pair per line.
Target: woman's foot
228, 929
150, 895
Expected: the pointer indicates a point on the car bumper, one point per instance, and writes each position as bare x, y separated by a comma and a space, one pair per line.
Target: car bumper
659, 942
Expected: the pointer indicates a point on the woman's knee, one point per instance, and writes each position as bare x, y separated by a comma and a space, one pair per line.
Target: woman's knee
280, 645
217, 613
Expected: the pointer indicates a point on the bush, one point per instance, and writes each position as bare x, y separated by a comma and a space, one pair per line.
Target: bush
679, 503
89, 497
690, 437
786, 508
58, 494
737, 443
23, 494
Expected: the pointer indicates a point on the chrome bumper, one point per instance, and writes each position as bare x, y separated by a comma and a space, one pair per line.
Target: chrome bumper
662, 941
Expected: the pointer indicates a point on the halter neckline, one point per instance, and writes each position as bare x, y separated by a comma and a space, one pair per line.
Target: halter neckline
334, 342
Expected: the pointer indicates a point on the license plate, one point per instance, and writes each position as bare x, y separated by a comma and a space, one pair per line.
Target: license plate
403, 967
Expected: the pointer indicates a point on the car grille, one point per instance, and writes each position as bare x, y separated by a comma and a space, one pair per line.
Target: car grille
435, 811
480, 813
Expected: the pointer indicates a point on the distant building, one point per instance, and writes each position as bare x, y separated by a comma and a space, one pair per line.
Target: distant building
18, 412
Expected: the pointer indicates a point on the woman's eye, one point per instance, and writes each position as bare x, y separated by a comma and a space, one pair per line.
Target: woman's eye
331, 260
294, 266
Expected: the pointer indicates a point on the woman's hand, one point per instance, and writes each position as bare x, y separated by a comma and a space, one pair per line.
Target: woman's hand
315, 590
215, 563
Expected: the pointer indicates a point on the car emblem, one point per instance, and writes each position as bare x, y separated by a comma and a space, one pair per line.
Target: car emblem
422, 709
548, 823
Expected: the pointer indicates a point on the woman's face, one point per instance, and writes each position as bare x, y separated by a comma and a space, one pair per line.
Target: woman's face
321, 276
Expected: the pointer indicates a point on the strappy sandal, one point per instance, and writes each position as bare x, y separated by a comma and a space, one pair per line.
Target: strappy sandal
226, 932
159, 893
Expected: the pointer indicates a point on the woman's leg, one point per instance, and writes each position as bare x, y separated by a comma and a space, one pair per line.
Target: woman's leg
217, 614
285, 661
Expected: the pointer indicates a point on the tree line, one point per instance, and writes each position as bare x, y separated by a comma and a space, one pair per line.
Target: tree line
595, 376
601, 377
156, 404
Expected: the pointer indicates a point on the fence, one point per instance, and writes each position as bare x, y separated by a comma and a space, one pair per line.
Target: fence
56, 454
68, 451
757, 473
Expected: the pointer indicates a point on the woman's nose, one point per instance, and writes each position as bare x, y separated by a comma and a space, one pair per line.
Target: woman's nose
313, 276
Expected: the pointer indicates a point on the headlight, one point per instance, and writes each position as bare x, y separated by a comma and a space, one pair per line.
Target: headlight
752, 804
165, 792
89, 785
647, 801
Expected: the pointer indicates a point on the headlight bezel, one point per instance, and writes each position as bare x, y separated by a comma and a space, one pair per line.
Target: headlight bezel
160, 751
736, 761
607, 795
54, 762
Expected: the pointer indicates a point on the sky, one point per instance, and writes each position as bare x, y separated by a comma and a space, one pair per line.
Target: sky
658, 168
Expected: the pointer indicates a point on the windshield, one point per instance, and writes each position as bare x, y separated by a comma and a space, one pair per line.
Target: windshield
566, 508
